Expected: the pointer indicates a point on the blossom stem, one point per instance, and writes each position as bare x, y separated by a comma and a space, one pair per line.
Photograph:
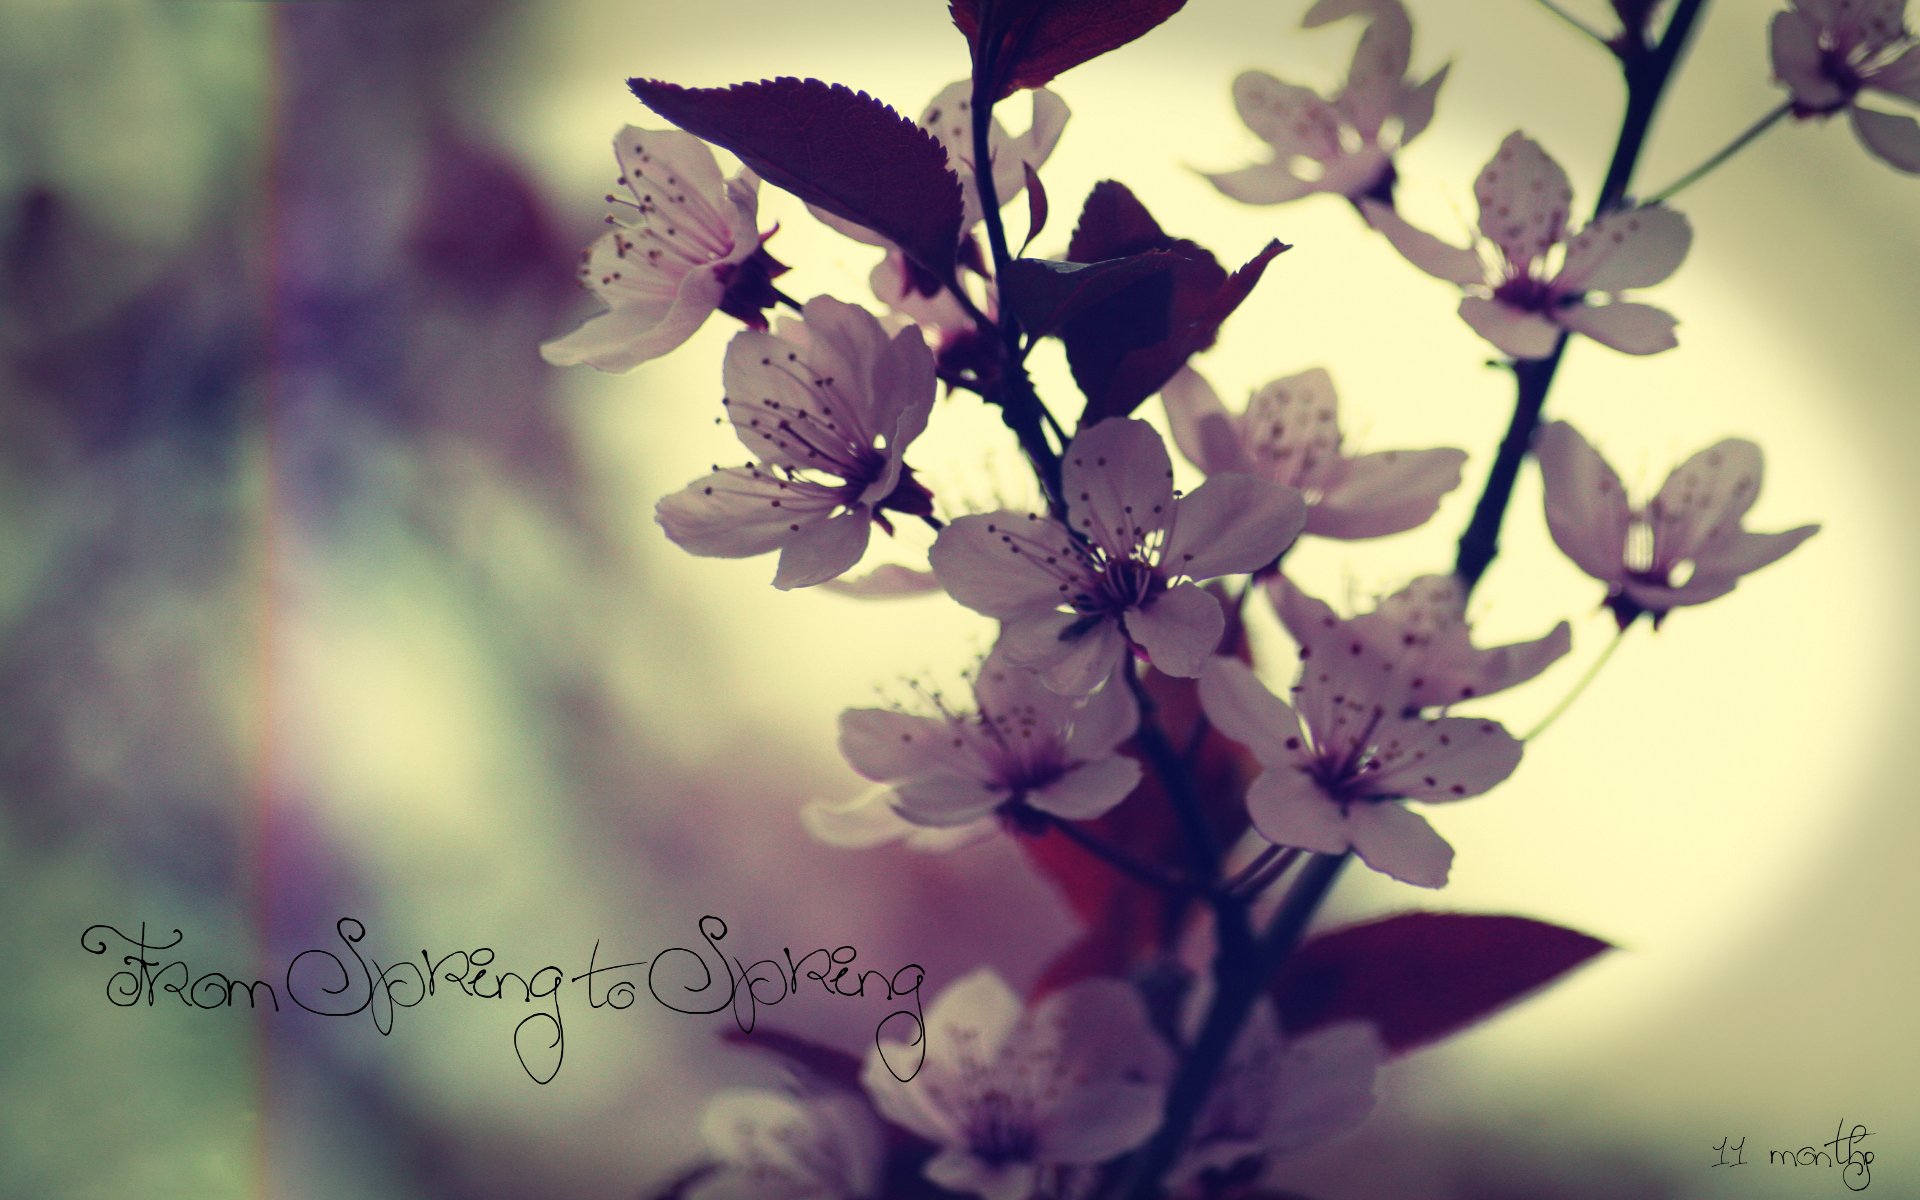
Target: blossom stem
1013, 392
1647, 74
1121, 861
785, 299
1174, 777
1726, 152
1574, 21
1264, 871
1236, 993
1566, 702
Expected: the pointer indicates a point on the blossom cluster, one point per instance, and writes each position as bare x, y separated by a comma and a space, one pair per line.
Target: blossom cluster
1122, 722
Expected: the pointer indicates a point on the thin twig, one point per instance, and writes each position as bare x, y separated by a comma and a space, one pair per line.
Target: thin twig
1121, 861
1576, 22
1726, 152
1566, 701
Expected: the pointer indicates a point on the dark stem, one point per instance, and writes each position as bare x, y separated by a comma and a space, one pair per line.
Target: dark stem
785, 299
1172, 773
1012, 391
1576, 22
1647, 74
1237, 991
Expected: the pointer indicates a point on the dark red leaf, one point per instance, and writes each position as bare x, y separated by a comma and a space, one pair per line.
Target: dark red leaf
1422, 976
824, 1063
1044, 294
1125, 347
1025, 43
1036, 205
834, 147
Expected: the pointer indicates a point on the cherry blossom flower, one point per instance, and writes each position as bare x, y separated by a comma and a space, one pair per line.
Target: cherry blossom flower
828, 396
1344, 145
1522, 293
1290, 433
1686, 546
1007, 1091
774, 1146
1071, 597
682, 247
1829, 51
1337, 765
1277, 1096
1025, 750
1422, 629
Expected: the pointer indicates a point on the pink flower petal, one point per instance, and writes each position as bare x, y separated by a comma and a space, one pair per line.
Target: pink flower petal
1325, 1086
1704, 499
1733, 555
1108, 718
740, 512
1587, 510
1416, 108
1901, 77
885, 582
1400, 843
1390, 491
649, 312
1795, 44
1263, 183
1513, 331
1202, 428
1446, 759
886, 746
1292, 430
823, 550
945, 800
1242, 708
1290, 810
1627, 327
1089, 790
1069, 658
1454, 264
1232, 524
1894, 140
1524, 198
1293, 120
1118, 482
1179, 629
996, 563
1626, 250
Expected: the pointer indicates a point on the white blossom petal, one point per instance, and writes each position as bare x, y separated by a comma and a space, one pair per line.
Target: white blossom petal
1627, 327
1242, 708
1740, 553
1633, 249
1108, 718
1070, 658
1324, 1086
1894, 140
1795, 44
1901, 77
1262, 183
886, 581
1118, 483
945, 800
1202, 428
866, 820
885, 746
1293, 120
1454, 264
1179, 629
1704, 499
1387, 492
1416, 108
740, 512
997, 563
1089, 790
823, 550
1513, 331
1232, 524
1290, 810
1397, 842
1587, 510
1524, 199
1446, 759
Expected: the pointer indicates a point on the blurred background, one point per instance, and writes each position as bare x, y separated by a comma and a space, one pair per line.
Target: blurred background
321, 595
